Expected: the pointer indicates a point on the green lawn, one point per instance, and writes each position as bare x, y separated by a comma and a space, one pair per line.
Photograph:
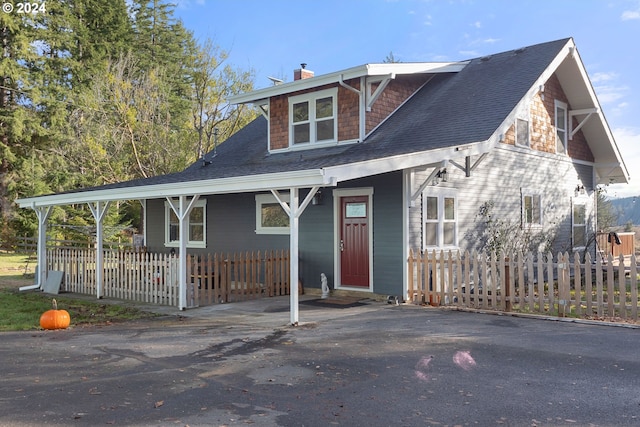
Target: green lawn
21, 311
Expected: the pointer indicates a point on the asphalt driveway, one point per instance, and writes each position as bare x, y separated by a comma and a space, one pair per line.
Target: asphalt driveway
373, 365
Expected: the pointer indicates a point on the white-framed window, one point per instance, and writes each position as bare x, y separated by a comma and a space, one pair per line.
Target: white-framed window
579, 225
313, 118
561, 127
196, 226
531, 208
440, 217
522, 132
270, 217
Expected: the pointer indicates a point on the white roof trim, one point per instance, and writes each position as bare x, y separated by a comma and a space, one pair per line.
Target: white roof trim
238, 184
366, 70
329, 176
405, 161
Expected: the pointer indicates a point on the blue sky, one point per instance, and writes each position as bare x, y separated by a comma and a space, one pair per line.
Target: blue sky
274, 36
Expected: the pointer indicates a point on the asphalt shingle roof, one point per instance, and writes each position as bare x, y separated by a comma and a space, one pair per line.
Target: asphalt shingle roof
451, 109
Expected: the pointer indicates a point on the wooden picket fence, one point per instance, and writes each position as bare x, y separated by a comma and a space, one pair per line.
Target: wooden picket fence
153, 278
564, 286
231, 277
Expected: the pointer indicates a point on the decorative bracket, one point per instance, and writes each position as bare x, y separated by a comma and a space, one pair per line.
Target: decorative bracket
574, 113
468, 167
372, 97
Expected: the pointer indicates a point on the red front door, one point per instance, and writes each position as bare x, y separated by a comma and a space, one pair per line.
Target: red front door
354, 241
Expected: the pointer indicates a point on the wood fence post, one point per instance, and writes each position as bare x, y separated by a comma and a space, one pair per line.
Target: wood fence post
507, 284
409, 296
633, 275
622, 286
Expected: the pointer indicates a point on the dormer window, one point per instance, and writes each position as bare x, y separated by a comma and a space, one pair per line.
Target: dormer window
313, 118
561, 127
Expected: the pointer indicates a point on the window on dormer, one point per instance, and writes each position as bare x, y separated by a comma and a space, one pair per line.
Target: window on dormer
313, 117
561, 127
522, 132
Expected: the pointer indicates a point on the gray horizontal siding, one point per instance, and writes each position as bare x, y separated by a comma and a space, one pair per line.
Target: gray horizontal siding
500, 178
231, 227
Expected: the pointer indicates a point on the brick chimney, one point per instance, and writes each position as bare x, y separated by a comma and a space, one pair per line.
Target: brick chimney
302, 73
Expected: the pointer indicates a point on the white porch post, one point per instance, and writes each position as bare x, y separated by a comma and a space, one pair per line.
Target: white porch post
294, 209
294, 272
43, 215
98, 210
182, 211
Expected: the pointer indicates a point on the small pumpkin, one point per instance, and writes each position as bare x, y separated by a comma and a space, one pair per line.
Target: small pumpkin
55, 319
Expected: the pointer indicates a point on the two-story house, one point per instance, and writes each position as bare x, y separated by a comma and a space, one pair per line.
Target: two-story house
353, 169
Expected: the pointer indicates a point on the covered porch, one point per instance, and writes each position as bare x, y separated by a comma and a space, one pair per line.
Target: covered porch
180, 281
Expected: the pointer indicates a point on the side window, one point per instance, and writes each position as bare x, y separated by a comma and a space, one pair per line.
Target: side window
579, 222
270, 217
440, 219
531, 208
196, 226
561, 127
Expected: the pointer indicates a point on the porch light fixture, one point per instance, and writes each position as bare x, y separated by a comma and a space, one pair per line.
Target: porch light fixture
317, 198
441, 176
579, 190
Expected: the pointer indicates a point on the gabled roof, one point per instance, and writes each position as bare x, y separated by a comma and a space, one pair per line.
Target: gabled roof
465, 105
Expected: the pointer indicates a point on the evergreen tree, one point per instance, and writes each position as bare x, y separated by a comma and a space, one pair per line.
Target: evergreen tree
93, 92
162, 41
16, 118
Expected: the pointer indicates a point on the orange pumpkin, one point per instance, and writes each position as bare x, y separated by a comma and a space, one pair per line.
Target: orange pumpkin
55, 319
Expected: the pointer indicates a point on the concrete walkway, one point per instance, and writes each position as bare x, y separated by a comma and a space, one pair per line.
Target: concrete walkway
373, 365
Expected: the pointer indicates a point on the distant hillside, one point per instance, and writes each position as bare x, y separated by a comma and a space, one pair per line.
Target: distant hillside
627, 209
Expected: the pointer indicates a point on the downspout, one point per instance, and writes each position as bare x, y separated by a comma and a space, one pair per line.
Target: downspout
361, 104
43, 214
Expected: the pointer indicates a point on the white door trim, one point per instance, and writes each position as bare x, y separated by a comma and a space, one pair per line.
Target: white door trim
337, 274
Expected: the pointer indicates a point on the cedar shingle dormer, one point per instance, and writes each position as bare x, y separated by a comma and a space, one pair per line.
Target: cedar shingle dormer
338, 108
542, 129
348, 106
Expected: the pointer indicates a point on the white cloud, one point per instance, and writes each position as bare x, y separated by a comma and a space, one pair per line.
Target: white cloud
603, 77
629, 15
428, 20
608, 94
488, 40
477, 24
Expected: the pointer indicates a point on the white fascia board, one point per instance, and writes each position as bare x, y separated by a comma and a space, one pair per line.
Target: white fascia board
240, 184
600, 116
367, 70
404, 161
570, 51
